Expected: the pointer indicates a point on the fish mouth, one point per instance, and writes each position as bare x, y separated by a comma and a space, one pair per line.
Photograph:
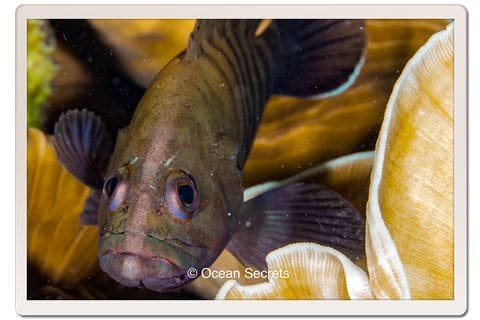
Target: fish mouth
137, 260
131, 270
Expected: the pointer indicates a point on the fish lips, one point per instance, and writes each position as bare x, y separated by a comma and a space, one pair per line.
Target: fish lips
159, 265
132, 270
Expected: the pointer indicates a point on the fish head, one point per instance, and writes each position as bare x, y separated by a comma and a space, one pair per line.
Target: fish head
172, 193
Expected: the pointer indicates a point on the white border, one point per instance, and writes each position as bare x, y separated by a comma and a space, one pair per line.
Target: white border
458, 306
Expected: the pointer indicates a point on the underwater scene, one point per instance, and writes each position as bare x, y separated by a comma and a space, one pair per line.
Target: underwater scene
240, 159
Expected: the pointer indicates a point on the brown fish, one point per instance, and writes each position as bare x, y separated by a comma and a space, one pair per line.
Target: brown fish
172, 185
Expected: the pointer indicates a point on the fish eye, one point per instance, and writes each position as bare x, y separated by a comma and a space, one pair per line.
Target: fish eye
186, 194
181, 196
110, 186
115, 190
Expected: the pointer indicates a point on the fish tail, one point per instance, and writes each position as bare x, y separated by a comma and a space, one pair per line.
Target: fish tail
316, 58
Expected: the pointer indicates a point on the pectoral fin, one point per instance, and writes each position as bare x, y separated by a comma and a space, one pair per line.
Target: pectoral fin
299, 212
83, 146
89, 214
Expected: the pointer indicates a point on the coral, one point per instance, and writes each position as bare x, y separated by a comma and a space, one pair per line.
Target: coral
41, 69
409, 228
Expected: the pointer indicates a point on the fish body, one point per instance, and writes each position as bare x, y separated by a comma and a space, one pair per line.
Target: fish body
172, 195
157, 165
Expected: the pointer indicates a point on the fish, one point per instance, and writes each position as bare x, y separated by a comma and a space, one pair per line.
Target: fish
167, 188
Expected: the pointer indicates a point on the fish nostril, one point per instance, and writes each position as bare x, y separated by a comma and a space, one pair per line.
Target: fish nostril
160, 209
124, 209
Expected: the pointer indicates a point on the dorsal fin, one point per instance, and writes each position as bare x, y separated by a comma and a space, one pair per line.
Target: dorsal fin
294, 57
320, 58
205, 29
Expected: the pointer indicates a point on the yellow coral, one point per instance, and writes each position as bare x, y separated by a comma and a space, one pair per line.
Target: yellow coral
409, 232
40, 69
57, 244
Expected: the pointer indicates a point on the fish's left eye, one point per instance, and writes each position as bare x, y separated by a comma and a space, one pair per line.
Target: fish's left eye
115, 190
110, 186
181, 196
